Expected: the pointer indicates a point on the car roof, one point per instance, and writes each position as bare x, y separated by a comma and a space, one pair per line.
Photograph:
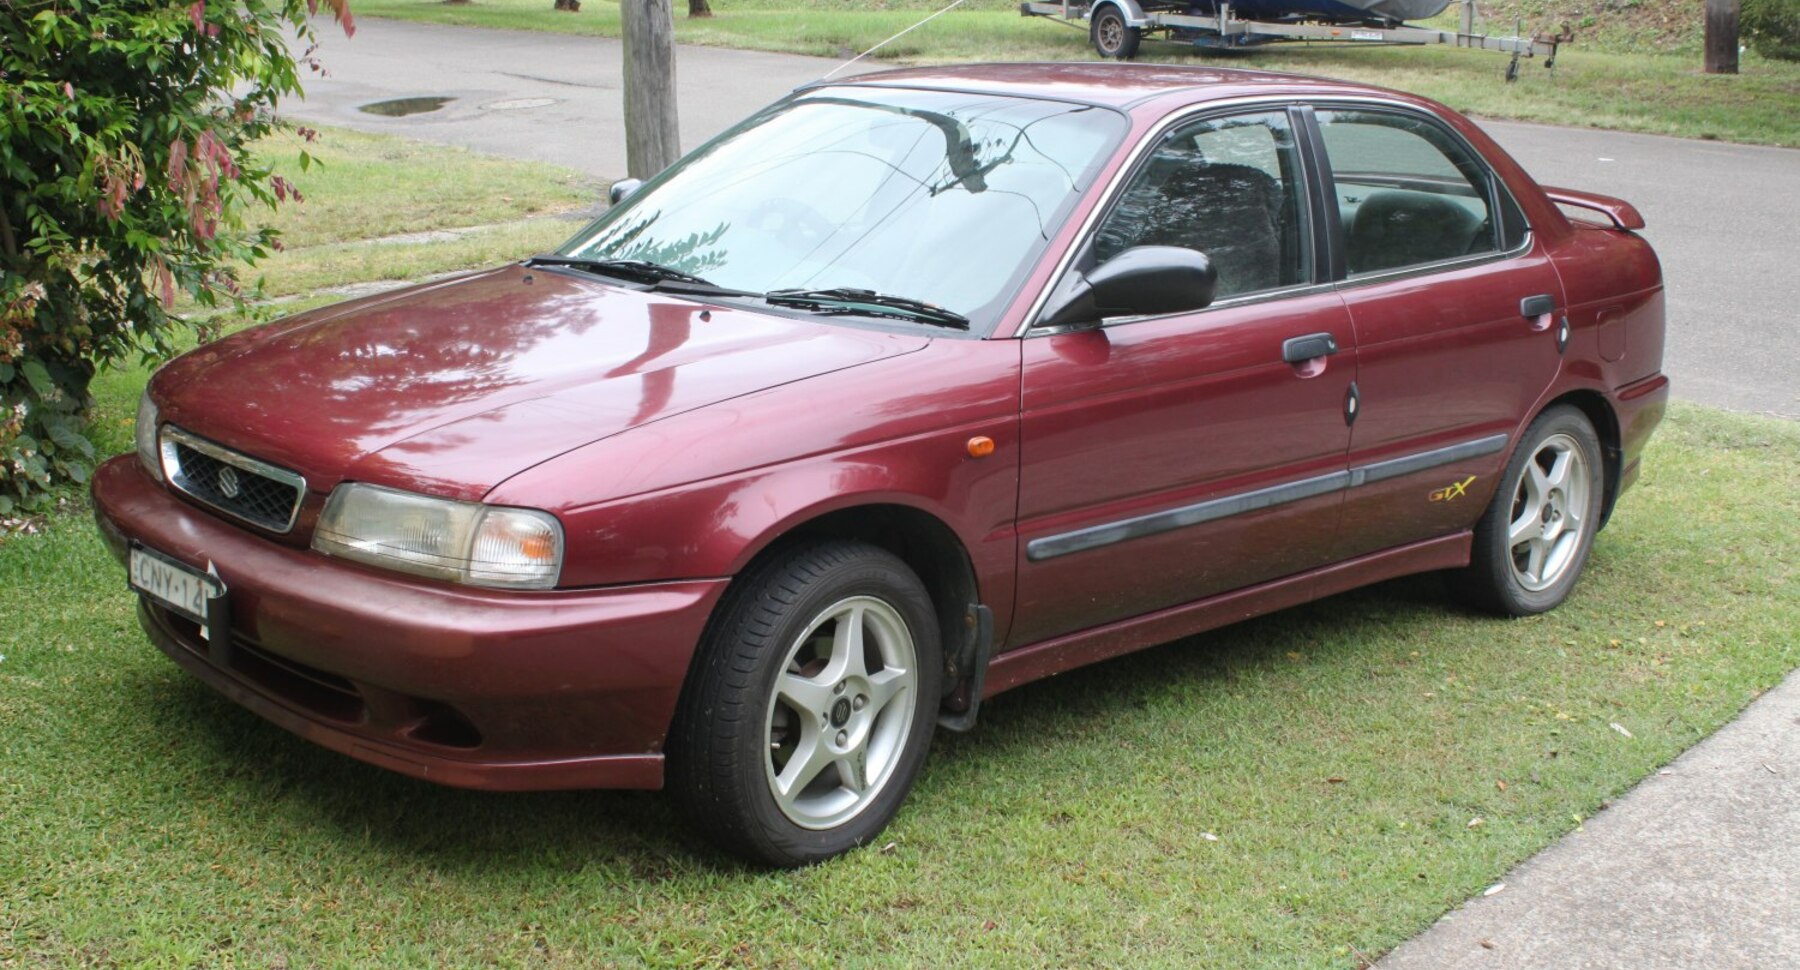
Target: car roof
1111, 85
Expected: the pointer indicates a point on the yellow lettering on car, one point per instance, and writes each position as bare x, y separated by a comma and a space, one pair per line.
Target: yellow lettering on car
1452, 491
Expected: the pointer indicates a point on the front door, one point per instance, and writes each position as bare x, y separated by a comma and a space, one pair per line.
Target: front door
1166, 459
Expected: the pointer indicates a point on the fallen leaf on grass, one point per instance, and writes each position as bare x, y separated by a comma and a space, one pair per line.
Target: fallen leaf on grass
1620, 728
1208, 836
1476, 822
1334, 780
1500, 783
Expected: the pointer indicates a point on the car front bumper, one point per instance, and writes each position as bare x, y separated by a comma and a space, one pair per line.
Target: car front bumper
457, 685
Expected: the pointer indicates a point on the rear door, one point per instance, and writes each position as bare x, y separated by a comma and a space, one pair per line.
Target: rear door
1165, 459
1456, 311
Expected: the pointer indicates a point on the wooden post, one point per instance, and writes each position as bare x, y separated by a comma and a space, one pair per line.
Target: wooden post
652, 138
1722, 36
1468, 17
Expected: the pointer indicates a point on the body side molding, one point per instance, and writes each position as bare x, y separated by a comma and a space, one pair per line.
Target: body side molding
1096, 536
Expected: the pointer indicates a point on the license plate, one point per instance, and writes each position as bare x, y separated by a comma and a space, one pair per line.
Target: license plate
180, 587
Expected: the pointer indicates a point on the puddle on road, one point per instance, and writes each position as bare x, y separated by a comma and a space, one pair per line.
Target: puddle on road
399, 107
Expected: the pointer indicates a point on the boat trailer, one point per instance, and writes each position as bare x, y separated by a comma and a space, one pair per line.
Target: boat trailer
1116, 26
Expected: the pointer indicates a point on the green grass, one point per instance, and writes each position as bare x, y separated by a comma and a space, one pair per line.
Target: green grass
1338, 752
372, 186
368, 189
1594, 83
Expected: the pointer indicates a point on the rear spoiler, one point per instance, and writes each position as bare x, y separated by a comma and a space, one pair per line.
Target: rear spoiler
1623, 214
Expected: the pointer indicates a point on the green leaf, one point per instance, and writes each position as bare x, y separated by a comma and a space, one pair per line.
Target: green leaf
64, 435
38, 378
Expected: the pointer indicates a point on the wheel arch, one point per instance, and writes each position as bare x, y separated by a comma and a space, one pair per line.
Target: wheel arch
1605, 420
1129, 9
926, 543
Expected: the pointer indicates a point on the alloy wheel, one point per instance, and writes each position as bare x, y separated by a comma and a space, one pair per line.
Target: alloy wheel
1549, 513
840, 712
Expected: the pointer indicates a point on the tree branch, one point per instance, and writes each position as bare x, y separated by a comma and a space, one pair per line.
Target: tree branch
8, 244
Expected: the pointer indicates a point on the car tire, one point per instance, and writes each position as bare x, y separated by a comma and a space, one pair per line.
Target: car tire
1111, 36
810, 704
1533, 540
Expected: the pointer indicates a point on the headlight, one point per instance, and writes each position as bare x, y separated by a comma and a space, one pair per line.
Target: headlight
147, 452
464, 542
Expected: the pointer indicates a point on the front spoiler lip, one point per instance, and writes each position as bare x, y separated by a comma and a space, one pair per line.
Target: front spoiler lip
642, 771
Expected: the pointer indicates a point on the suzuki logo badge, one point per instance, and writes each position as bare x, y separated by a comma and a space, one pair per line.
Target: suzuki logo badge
228, 482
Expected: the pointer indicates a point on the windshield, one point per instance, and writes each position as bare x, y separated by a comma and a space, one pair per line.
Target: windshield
940, 197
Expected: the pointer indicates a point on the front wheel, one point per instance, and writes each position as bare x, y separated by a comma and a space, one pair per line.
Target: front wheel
810, 706
1112, 37
1533, 541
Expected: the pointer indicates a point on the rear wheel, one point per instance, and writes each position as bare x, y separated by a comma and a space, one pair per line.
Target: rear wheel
1112, 37
1533, 541
811, 705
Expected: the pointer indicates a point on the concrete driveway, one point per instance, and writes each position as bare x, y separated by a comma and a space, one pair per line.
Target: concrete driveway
1721, 216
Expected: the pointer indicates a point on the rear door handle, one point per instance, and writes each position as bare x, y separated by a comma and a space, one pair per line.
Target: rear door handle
1298, 350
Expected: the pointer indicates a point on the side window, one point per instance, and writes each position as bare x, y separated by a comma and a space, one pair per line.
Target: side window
1409, 194
1228, 187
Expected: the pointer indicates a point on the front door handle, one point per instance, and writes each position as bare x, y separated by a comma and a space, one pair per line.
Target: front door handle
1299, 350
1533, 307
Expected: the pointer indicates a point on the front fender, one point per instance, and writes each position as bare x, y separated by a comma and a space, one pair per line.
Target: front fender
700, 494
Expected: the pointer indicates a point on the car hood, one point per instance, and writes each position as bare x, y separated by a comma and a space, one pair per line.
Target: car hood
451, 388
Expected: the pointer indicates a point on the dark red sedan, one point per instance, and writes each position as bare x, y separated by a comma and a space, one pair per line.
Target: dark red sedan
906, 391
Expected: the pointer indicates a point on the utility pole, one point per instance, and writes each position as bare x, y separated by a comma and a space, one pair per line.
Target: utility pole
1722, 36
652, 138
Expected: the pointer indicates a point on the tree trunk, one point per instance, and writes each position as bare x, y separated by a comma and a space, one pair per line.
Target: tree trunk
652, 138
699, 8
1722, 36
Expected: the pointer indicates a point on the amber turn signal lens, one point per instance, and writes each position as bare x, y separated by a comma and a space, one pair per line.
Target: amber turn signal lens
981, 446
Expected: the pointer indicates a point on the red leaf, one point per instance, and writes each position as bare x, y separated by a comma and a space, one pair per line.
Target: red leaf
178, 153
197, 13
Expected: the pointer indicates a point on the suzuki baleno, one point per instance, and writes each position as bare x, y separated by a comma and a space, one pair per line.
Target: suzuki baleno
908, 390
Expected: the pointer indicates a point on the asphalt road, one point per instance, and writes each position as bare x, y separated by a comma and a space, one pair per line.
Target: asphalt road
1722, 216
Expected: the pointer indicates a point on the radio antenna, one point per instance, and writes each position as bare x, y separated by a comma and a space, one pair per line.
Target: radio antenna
853, 60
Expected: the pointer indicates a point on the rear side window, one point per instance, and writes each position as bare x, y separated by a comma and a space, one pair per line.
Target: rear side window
1409, 194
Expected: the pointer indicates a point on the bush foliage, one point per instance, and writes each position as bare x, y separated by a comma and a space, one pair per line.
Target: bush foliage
125, 128
1772, 28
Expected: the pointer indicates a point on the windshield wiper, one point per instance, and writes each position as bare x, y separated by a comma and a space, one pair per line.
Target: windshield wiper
641, 270
844, 299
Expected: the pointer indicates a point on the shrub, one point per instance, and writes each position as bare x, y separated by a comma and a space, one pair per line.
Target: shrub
1772, 28
124, 172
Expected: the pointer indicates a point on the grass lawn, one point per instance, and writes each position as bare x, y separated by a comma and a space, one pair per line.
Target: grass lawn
1592, 85
1293, 791
1273, 794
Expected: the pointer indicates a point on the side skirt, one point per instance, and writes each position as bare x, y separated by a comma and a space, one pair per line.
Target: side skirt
1051, 657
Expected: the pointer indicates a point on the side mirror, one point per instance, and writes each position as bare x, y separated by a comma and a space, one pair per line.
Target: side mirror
1141, 281
622, 189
